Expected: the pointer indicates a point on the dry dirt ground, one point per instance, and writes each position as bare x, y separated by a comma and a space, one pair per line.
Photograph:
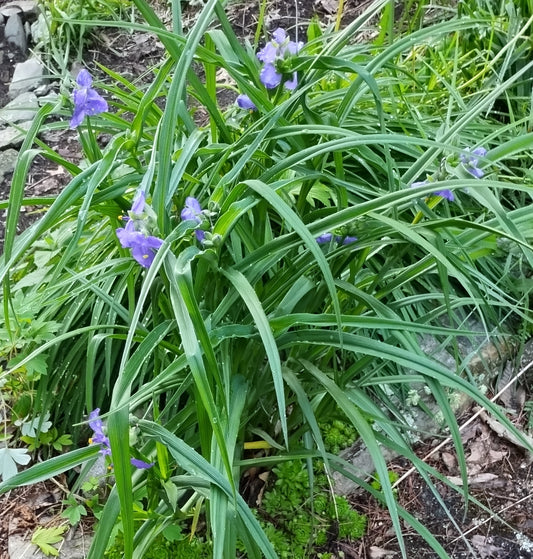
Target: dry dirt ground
500, 473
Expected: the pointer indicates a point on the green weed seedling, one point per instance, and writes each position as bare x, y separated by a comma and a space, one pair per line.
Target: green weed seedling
299, 524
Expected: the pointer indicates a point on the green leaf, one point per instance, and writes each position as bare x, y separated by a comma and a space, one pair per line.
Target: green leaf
9, 458
43, 538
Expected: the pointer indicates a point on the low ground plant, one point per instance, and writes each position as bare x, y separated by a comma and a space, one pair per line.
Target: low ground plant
209, 287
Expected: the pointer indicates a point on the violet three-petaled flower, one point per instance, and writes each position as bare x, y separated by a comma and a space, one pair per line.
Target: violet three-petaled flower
244, 102
192, 210
99, 437
87, 101
142, 246
470, 161
349, 239
324, 238
274, 51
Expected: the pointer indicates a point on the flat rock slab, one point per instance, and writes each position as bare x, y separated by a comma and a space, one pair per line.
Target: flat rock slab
13, 136
23, 108
28, 75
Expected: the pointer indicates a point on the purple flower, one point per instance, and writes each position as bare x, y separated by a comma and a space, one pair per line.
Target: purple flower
141, 464
99, 437
269, 77
279, 35
470, 161
445, 193
142, 246
143, 249
245, 102
448, 194
324, 238
192, 210
87, 101
349, 239
96, 424
272, 55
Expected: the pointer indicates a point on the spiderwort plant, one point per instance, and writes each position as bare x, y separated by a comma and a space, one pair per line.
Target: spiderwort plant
275, 56
87, 101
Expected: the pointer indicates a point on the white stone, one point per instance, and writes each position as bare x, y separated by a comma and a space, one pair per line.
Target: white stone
27, 76
27, 7
24, 107
14, 32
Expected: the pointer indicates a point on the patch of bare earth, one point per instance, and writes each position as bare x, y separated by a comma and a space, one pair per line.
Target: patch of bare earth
500, 479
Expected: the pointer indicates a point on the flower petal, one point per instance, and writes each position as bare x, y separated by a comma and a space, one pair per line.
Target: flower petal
292, 84
269, 77
139, 201
84, 79
324, 238
279, 35
268, 54
141, 464
446, 193
244, 102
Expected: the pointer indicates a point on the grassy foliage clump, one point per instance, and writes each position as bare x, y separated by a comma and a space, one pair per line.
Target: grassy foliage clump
240, 281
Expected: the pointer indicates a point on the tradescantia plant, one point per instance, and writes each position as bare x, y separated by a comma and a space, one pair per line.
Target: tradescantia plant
228, 287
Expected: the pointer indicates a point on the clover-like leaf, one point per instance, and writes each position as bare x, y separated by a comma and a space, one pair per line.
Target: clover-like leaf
9, 458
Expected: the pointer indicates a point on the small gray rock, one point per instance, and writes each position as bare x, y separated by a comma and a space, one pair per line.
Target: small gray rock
27, 7
8, 160
27, 76
22, 108
10, 10
13, 137
14, 32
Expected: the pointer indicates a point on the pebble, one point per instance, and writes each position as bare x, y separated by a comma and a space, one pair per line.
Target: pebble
23, 108
27, 76
27, 7
13, 137
8, 159
14, 32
